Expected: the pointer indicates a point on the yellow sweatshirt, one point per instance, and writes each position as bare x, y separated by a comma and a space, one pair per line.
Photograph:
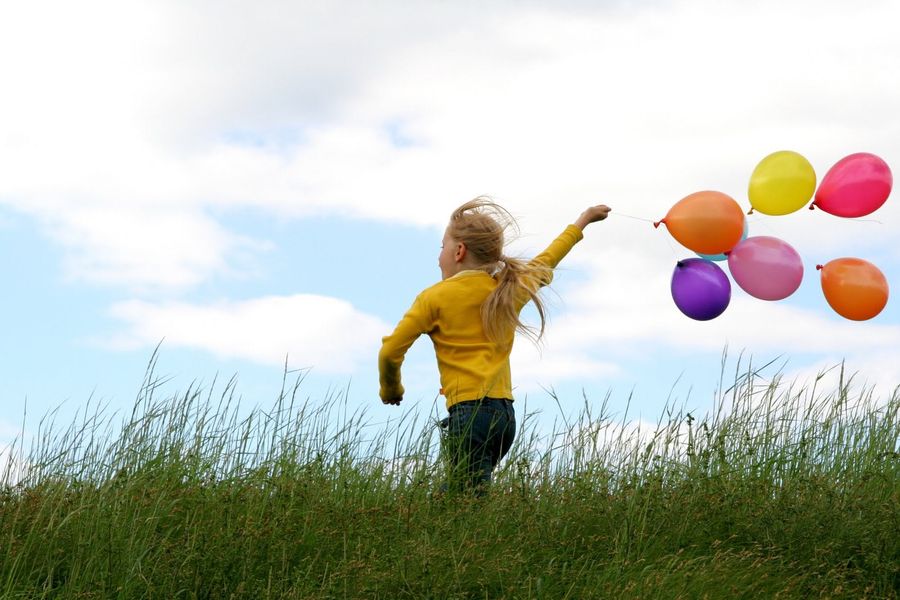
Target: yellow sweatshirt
470, 365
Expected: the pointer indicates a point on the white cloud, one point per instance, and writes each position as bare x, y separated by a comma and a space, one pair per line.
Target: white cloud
145, 247
627, 299
136, 127
624, 311
9, 430
323, 333
536, 368
876, 373
172, 112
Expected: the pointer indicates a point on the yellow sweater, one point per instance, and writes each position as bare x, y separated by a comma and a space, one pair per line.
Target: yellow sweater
471, 366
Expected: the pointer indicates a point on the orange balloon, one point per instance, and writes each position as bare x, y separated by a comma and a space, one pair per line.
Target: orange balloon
706, 222
856, 289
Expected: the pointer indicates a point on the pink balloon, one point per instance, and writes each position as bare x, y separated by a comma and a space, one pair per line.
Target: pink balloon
855, 186
766, 267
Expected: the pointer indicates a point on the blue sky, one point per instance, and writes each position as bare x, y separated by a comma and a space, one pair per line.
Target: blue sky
260, 182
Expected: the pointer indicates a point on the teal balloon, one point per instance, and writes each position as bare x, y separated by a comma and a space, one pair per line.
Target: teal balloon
723, 256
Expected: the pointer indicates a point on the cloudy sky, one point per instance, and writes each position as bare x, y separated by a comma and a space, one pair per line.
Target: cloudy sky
262, 184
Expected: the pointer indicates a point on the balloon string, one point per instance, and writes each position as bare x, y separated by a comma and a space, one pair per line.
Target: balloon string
768, 224
865, 221
621, 214
617, 213
656, 224
675, 252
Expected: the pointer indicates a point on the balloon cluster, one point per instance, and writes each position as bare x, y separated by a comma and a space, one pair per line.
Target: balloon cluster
713, 225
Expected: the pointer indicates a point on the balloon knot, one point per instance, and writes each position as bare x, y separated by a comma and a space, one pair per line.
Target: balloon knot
727, 252
750, 212
812, 206
656, 224
819, 267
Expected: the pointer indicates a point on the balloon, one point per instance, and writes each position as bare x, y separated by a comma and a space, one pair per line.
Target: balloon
781, 183
705, 222
855, 186
723, 256
766, 267
700, 289
856, 289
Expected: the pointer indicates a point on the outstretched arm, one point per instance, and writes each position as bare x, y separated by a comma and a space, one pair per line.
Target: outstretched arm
561, 245
559, 248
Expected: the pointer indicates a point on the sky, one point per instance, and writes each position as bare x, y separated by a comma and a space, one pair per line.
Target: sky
262, 187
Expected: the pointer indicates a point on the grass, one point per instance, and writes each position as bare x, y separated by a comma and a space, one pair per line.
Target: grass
780, 491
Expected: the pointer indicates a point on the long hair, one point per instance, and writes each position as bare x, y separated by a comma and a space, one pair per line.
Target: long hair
481, 224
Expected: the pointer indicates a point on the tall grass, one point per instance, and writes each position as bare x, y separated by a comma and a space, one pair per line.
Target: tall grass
780, 490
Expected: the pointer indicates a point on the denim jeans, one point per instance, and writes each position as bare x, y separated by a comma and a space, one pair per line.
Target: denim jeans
477, 434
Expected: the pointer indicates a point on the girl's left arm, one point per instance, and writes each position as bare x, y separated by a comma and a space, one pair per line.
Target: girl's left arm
417, 320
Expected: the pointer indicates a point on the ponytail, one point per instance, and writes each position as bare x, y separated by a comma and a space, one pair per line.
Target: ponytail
480, 225
517, 282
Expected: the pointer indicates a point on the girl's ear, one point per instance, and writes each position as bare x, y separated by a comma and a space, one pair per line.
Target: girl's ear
460, 252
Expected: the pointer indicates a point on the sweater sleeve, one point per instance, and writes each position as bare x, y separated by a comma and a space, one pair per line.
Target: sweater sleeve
417, 320
556, 251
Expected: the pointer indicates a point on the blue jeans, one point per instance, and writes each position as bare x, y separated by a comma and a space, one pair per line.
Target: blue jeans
477, 434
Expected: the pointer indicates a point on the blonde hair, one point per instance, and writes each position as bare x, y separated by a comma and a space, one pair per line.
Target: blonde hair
480, 224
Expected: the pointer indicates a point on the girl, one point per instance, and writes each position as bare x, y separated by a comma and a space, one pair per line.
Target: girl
471, 316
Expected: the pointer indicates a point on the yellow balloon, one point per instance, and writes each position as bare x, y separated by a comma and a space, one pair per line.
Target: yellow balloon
782, 182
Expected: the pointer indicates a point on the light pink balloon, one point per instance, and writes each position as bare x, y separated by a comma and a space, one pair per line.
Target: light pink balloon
766, 267
855, 186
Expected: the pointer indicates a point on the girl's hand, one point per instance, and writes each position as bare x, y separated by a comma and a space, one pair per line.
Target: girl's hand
592, 215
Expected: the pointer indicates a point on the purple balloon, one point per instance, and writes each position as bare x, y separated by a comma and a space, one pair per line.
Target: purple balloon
700, 289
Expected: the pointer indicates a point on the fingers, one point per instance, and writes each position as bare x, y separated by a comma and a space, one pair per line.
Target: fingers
600, 212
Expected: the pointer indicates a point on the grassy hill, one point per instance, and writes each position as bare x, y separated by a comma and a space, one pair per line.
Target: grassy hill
778, 492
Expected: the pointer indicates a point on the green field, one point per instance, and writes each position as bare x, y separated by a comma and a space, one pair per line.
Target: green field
781, 490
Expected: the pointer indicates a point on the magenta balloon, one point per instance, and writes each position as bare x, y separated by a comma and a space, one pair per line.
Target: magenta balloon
766, 267
855, 186
700, 289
